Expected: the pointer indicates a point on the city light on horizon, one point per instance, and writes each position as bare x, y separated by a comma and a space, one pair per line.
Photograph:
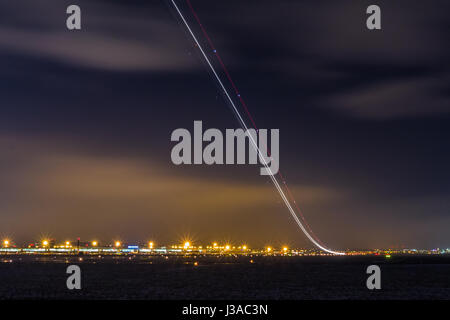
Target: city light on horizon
187, 247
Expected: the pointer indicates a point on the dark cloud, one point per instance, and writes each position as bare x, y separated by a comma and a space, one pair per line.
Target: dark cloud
393, 99
324, 49
115, 37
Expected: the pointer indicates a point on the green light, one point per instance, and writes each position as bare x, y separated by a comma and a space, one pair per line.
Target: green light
388, 256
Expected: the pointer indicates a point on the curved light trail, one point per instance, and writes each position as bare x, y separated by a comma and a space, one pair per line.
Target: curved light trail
244, 105
252, 141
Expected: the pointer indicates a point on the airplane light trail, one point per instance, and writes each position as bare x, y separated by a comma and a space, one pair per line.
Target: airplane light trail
244, 105
254, 144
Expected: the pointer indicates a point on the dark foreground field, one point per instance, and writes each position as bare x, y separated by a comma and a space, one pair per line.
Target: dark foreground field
134, 277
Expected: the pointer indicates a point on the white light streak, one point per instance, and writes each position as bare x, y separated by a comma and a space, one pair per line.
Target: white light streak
244, 126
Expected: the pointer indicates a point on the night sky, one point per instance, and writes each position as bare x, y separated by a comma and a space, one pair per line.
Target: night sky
364, 118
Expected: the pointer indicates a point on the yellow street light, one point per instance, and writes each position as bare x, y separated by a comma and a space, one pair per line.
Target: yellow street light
150, 244
117, 244
244, 247
269, 249
45, 243
6, 243
187, 244
227, 247
94, 243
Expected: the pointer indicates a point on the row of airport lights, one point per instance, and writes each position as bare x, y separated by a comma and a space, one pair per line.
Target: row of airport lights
45, 243
228, 247
118, 244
